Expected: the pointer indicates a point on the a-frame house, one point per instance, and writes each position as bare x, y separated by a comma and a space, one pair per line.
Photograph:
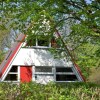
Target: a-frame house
36, 63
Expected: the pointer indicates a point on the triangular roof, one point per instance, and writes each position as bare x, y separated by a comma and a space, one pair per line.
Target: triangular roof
11, 54
17, 46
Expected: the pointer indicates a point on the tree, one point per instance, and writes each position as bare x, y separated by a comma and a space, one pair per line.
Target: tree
45, 16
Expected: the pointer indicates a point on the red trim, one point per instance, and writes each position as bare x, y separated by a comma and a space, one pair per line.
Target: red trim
11, 57
79, 70
76, 66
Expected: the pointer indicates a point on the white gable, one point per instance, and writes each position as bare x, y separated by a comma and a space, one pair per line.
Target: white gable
41, 61
38, 57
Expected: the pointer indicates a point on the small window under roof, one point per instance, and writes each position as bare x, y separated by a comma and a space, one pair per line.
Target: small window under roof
31, 42
66, 77
12, 74
43, 41
66, 69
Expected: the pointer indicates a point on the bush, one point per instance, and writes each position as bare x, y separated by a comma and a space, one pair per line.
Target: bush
95, 76
51, 91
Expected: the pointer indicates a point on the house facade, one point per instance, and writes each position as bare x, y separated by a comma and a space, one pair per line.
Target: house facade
25, 63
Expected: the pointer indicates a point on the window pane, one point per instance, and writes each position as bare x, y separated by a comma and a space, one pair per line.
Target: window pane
44, 78
43, 41
59, 69
31, 42
11, 77
43, 69
14, 69
66, 78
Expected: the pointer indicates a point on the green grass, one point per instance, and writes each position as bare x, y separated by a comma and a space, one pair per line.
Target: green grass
51, 91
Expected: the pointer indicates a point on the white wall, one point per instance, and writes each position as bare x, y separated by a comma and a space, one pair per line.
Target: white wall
38, 57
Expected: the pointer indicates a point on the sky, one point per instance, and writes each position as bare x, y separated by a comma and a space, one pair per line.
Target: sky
89, 1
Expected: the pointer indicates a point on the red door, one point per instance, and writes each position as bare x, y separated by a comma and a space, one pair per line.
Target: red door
26, 73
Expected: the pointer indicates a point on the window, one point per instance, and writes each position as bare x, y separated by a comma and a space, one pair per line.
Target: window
58, 74
40, 40
31, 42
43, 74
13, 74
65, 74
43, 41
14, 69
60, 69
11, 77
43, 69
66, 77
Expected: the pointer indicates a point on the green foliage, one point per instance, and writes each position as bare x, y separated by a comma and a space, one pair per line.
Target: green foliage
44, 16
94, 75
2, 54
3, 34
86, 57
51, 91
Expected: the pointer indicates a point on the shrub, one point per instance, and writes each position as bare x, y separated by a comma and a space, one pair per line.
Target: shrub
51, 91
95, 76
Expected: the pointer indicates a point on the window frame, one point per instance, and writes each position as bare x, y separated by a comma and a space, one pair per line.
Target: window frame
54, 73
44, 73
65, 73
37, 39
13, 73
